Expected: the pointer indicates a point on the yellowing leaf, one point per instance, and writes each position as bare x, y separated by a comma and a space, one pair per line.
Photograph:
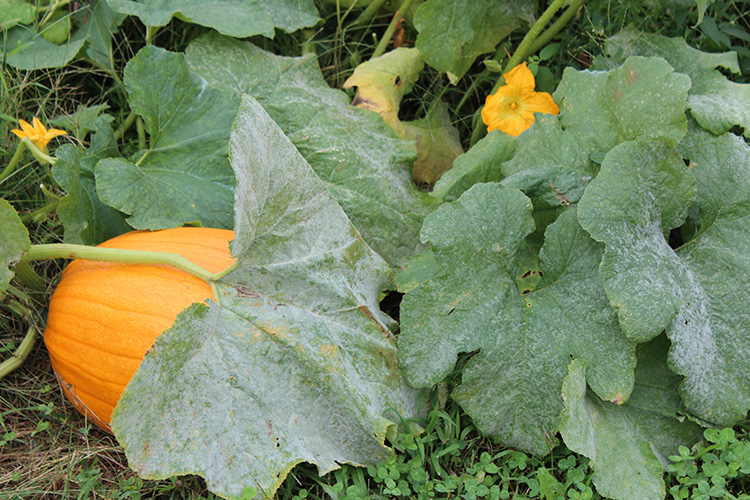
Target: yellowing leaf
381, 84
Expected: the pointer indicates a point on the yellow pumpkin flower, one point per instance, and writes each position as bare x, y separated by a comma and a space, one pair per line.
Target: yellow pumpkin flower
37, 134
511, 109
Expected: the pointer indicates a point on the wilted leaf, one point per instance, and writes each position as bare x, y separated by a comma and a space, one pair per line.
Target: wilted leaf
511, 388
14, 243
235, 18
184, 175
294, 362
453, 33
381, 84
629, 445
717, 103
364, 164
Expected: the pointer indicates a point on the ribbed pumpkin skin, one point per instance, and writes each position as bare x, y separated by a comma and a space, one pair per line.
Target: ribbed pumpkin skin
104, 316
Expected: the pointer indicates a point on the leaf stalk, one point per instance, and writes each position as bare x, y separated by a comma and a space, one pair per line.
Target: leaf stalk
69, 251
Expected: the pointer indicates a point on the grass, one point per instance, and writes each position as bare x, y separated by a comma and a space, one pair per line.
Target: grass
48, 450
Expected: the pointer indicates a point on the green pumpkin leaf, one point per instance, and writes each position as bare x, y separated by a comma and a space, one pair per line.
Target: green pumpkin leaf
511, 388
184, 175
98, 23
86, 220
235, 18
14, 12
643, 191
453, 33
549, 165
716, 102
481, 163
695, 292
26, 49
299, 359
29, 47
14, 243
364, 164
84, 120
629, 444
642, 99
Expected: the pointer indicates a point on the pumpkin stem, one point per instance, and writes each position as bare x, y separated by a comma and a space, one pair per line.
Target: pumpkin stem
68, 251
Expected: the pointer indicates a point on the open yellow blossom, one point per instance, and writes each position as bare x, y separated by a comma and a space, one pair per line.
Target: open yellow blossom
511, 109
38, 134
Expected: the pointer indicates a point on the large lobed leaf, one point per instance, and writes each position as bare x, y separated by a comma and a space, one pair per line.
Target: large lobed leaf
293, 362
27, 48
512, 387
236, 18
453, 33
716, 102
698, 292
364, 164
629, 445
184, 175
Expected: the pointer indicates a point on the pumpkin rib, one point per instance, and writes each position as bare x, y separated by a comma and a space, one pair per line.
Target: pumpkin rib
64, 361
103, 317
112, 309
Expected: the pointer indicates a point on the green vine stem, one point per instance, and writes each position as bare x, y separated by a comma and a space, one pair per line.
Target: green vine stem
151, 34
11, 167
522, 52
26, 274
369, 12
40, 155
386, 39
68, 251
558, 25
126, 124
21, 353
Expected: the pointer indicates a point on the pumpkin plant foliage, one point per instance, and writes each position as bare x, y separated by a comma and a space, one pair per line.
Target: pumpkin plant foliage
364, 164
294, 362
634, 220
15, 242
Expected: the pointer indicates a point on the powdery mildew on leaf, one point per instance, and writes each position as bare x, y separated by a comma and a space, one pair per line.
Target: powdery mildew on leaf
511, 388
716, 102
294, 363
365, 166
697, 293
642, 99
629, 445
236, 18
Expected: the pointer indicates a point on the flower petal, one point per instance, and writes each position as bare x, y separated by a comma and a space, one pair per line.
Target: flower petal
520, 78
26, 127
540, 102
39, 127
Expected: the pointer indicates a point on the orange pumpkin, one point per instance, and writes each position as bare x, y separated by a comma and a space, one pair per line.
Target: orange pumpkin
104, 316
